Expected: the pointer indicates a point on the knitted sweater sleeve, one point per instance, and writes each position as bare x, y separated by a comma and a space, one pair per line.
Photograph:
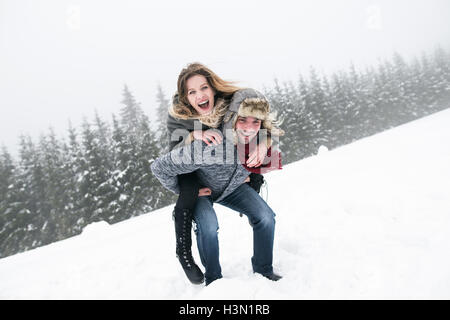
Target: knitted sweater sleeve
179, 161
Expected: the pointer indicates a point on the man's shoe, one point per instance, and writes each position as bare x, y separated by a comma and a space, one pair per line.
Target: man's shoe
208, 281
272, 276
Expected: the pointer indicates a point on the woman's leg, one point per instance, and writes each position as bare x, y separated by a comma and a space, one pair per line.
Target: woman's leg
182, 215
262, 219
189, 187
207, 239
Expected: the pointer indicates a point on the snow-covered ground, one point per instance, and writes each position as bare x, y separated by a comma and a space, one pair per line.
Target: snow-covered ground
367, 220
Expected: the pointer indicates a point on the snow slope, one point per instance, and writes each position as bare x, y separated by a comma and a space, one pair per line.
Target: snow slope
367, 220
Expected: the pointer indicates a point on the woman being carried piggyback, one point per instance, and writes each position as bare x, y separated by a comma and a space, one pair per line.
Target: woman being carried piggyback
200, 106
220, 101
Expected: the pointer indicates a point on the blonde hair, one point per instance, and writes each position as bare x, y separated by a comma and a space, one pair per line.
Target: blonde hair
182, 109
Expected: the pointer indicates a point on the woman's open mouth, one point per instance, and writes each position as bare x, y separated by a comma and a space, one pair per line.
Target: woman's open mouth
204, 105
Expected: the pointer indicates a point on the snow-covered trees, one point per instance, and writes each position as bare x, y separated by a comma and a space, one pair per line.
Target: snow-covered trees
354, 104
102, 171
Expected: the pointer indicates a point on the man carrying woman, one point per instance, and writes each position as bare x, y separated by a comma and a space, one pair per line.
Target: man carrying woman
227, 156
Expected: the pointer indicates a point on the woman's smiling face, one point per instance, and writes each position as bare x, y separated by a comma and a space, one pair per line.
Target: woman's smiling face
247, 128
200, 94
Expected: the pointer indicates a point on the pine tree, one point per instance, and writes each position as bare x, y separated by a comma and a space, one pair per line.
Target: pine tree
428, 80
53, 175
416, 95
8, 201
131, 115
369, 99
32, 188
280, 103
386, 97
7, 170
107, 191
320, 109
341, 99
16, 216
161, 116
73, 174
103, 134
441, 86
303, 115
94, 177
145, 194
122, 157
360, 109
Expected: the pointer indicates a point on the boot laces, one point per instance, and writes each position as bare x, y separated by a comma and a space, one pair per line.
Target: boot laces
186, 254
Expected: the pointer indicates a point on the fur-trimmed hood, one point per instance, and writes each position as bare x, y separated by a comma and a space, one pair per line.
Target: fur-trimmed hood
243, 94
254, 107
251, 103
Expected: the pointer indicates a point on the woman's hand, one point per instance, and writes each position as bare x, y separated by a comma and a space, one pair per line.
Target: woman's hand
204, 192
256, 157
247, 179
208, 136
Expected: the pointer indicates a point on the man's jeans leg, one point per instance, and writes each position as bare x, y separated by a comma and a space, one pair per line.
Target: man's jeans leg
207, 240
262, 219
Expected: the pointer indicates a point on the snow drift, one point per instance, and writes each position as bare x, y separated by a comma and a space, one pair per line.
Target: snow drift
369, 220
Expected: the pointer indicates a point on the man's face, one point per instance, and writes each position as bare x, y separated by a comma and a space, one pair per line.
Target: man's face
247, 128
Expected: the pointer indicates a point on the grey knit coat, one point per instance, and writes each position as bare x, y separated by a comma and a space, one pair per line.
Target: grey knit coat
217, 167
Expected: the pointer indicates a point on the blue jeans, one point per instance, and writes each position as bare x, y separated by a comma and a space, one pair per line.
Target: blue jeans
262, 219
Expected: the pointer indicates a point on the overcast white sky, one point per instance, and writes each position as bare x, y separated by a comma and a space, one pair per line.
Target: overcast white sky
61, 60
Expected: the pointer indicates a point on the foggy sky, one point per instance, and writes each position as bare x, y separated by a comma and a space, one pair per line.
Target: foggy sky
62, 60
